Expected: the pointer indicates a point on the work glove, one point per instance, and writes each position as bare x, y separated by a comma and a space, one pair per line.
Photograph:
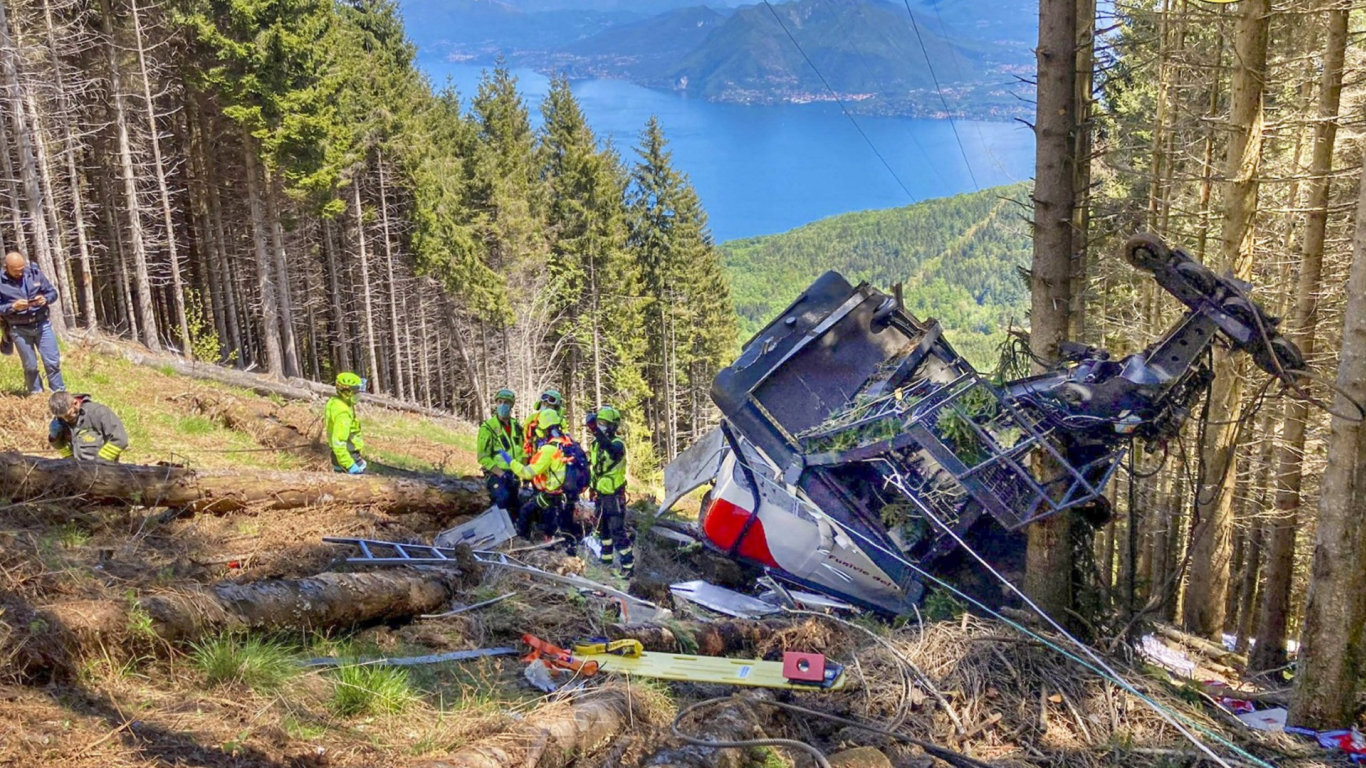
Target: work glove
356, 469
505, 457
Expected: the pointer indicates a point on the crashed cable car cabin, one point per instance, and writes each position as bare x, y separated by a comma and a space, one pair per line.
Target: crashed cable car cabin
857, 448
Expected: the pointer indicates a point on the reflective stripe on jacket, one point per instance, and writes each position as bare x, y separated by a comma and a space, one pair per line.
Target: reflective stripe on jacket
97, 434
546, 470
494, 437
608, 463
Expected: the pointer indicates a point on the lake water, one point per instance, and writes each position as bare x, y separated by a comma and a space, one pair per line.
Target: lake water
766, 169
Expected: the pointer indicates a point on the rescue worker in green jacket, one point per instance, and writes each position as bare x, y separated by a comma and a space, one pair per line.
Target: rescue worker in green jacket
84, 430
607, 462
546, 472
343, 428
501, 433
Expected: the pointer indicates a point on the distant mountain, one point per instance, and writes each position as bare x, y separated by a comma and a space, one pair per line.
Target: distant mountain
866, 51
482, 29
958, 258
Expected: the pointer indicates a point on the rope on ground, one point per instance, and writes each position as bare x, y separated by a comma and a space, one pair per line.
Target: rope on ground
947, 755
896, 654
816, 754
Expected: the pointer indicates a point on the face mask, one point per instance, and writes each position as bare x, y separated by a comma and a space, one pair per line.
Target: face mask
503, 410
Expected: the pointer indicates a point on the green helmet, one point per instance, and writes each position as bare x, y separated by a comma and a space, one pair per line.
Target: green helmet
505, 394
349, 380
552, 398
547, 418
609, 415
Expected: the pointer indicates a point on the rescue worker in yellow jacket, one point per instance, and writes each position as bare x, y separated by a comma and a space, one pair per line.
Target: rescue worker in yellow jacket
343, 428
607, 461
84, 430
546, 471
501, 433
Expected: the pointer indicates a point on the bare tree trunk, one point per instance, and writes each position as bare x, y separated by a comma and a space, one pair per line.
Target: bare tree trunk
371, 357
1204, 610
1269, 651
28, 171
401, 390
1330, 657
215, 210
60, 272
288, 348
270, 312
136, 238
1048, 569
172, 251
12, 192
341, 349
70, 149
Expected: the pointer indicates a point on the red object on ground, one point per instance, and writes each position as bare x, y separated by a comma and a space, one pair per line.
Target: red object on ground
804, 667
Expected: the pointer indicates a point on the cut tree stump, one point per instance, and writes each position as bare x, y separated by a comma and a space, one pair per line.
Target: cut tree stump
31, 478
549, 737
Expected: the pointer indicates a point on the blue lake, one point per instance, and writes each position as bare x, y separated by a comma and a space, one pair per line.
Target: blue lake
766, 169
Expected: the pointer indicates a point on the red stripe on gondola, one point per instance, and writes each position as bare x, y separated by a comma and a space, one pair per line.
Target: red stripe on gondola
725, 521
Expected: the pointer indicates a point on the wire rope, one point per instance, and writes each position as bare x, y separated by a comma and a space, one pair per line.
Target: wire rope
947, 112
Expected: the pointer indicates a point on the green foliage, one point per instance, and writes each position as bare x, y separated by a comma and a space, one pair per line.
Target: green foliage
942, 605
260, 665
957, 258
361, 689
203, 344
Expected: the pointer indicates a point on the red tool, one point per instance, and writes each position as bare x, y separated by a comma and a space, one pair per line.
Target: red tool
804, 667
555, 656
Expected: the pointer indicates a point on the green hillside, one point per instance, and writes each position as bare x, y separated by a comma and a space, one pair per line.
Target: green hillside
957, 256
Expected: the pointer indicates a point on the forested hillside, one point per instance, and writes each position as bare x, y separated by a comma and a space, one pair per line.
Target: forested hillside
273, 185
959, 258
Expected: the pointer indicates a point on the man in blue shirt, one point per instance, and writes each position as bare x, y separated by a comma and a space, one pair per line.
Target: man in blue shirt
25, 300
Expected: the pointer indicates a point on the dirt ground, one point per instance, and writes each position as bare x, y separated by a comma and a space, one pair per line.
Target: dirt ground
966, 684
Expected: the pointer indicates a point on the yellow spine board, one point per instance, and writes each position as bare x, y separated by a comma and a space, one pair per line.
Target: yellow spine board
703, 669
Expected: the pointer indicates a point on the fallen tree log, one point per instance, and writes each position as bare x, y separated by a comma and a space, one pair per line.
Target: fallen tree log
260, 383
31, 478
550, 737
1211, 649
258, 419
56, 635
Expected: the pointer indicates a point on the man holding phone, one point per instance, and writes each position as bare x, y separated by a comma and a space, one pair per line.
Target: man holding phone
25, 298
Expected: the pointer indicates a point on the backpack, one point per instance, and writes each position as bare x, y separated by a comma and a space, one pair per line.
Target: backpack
576, 473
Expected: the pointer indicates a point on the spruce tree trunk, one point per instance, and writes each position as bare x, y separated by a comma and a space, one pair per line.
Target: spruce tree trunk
341, 349
168, 218
20, 241
70, 148
400, 387
1209, 582
289, 352
137, 241
1330, 652
367, 302
1269, 651
265, 281
28, 162
1048, 569
60, 274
